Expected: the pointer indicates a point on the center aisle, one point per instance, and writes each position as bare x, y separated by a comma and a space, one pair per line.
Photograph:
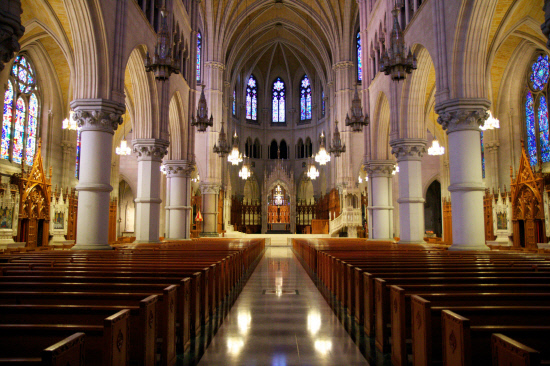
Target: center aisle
280, 318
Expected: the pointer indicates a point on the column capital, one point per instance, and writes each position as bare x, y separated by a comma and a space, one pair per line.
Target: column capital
98, 114
342, 65
179, 168
215, 65
150, 149
210, 188
491, 146
380, 168
408, 149
462, 114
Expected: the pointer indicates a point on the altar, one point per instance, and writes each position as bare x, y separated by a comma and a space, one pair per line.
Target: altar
279, 226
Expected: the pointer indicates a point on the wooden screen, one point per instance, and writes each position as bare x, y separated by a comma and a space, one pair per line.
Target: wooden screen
113, 205
220, 211
73, 214
447, 222
488, 215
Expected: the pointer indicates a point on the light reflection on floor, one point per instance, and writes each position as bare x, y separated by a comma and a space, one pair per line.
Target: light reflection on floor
281, 327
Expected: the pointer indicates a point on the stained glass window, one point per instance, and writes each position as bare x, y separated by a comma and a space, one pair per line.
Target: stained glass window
536, 111
359, 60
199, 49
482, 156
78, 141
539, 74
21, 114
252, 99
234, 102
305, 99
7, 121
278, 100
31, 128
323, 102
531, 137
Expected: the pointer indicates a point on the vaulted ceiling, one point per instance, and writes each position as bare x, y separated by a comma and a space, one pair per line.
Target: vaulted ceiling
312, 34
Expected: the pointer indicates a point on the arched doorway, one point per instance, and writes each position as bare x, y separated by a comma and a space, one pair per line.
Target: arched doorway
432, 209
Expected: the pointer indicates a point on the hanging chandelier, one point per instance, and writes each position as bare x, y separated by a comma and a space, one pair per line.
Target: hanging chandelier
436, 149
222, 147
322, 157
357, 121
123, 149
312, 172
164, 62
395, 169
69, 123
202, 122
196, 179
490, 123
245, 171
337, 148
396, 61
235, 157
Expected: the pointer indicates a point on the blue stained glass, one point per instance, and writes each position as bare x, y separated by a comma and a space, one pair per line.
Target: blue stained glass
234, 102
19, 135
359, 59
6, 122
278, 100
530, 127
252, 98
23, 61
78, 142
482, 156
199, 47
22, 80
14, 69
323, 102
31, 129
539, 76
305, 99
543, 130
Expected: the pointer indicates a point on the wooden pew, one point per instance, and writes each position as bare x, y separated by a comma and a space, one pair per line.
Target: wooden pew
507, 351
68, 351
106, 344
165, 307
467, 339
142, 322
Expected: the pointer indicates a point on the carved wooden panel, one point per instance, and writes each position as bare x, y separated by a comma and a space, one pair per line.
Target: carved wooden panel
113, 205
447, 222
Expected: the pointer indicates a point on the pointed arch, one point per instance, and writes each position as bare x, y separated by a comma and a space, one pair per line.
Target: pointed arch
278, 101
382, 129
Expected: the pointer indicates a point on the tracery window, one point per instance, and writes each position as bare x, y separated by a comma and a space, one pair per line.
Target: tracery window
252, 99
234, 103
359, 59
323, 103
21, 114
536, 111
199, 49
305, 99
278, 93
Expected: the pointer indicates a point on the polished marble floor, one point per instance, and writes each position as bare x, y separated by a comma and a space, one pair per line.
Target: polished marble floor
280, 318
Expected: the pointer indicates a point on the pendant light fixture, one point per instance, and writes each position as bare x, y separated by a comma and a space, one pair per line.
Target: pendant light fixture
490, 123
69, 123
312, 172
436, 149
322, 157
337, 148
222, 147
123, 149
235, 157
245, 171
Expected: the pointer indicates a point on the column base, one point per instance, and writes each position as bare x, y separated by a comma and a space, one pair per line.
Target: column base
91, 247
209, 235
464, 247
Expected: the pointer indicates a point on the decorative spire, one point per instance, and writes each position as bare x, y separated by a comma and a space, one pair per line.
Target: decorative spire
202, 122
337, 148
222, 148
357, 121
396, 61
164, 61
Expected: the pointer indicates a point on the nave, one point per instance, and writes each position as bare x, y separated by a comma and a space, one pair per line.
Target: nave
280, 318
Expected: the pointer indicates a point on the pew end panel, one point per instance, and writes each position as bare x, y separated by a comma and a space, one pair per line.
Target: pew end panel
147, 326
69, 351
508, 352
382, 315
421, 328
398, 326
368, 290
168, 313
359, 295
185, 286
116, 346
456, 340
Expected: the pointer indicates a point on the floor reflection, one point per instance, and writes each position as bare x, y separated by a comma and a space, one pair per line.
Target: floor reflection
280, 318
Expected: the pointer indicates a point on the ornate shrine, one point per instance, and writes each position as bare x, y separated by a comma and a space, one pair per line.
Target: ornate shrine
35, 190
527, 190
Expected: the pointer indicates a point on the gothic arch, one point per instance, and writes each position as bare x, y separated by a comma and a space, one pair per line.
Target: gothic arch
380, 137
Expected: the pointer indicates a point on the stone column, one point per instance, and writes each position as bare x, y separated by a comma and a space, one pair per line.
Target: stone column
210, 209
178, 188
98, 119
409, 153
380, 200
462, 121
150, 153
491, 164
